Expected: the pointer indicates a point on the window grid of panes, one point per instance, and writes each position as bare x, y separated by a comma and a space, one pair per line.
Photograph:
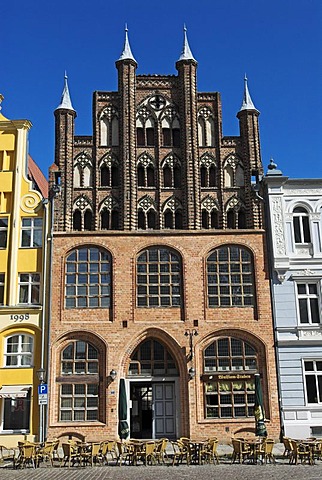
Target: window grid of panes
229, 398
79, 402
79, 358
158, 278
230, 277
29, 288
313, 380
19, 351
88, 278
308, 301
31, 232
152, 358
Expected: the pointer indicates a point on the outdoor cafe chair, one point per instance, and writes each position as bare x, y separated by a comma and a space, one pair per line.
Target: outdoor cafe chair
47, 452
124, 453
180, 452
287, 447
241, 451
301, 452
108, 450
160, 450
265, 451
147, 453
91, 454
209, 452
7, 454
27, 456
71, 454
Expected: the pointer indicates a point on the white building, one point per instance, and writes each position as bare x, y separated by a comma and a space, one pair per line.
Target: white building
295, 220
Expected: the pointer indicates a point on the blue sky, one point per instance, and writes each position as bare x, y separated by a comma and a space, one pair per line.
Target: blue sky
278, 43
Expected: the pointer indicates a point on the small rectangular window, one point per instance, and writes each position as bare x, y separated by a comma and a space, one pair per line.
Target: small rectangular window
31, 232
313, 380
308, 303
16, 414
3, 231
29, 288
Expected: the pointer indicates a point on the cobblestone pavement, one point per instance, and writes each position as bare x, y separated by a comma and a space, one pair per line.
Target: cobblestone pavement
204, 472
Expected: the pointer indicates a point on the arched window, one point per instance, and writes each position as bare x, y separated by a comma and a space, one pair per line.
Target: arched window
19, 350
208, 171
109, 127
229, 397
109, 171
206, 127
83, 171
109, 214
79, 398
146, 176
301, 225
158, 278
170, 132
171, 167
233, 172
145, 129
209, 218
172, 214
88, 220
146, 213
77, 220
230, 274
152, 358
88, 278
231, 218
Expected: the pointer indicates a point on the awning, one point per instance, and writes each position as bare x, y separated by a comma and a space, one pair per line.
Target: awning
14, 391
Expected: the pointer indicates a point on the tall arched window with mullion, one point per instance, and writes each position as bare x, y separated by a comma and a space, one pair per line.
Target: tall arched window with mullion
230, 274
301, 225
159, 278
88, 278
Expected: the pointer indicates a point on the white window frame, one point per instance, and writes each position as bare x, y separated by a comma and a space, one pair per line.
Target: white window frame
32, 229
20, 354
308, 296
316, 373
300, 216
30, 283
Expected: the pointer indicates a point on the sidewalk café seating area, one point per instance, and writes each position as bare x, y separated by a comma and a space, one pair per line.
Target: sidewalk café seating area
135, 452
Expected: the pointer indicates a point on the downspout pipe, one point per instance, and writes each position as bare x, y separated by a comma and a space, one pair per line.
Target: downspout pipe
44, 331
50, 240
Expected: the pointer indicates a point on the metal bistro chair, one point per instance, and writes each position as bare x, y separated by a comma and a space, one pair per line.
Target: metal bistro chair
210, 451
180, 452
301, 452
108, 450
287, 447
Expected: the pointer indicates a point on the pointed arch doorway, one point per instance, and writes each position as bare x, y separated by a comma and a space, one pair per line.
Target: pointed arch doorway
153, 378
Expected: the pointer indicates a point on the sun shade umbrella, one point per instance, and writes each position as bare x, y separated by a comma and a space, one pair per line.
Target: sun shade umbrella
123, 425
260, 427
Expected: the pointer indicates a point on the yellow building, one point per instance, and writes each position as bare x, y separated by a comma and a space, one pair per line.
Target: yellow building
23, 227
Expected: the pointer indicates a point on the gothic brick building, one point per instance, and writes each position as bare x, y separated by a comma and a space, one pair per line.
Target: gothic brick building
159, 273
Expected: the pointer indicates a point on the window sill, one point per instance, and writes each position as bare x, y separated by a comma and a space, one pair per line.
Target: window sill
72, 424
14, 432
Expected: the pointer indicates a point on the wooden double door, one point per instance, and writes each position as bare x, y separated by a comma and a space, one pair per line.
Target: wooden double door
153, 410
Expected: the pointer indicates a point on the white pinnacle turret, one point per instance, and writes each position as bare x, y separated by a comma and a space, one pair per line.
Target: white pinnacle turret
65, 98
127, 52
186, 53
247, 100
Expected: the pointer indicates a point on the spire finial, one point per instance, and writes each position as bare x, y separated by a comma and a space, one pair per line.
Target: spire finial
65, 101
127, 52
247, 103
186, 53
272, 169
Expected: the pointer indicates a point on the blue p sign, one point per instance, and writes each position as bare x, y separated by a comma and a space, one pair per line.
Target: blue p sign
43, 389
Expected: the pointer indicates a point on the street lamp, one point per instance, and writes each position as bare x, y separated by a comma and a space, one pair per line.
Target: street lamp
41, 374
